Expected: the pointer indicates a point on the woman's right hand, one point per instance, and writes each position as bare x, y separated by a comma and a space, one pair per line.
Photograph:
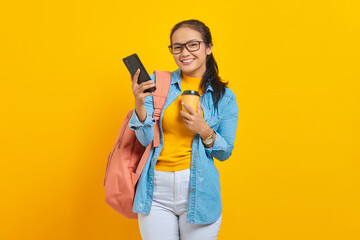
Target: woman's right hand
138, 89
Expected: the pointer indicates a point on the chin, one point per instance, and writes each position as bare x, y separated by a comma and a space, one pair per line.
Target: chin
188, 68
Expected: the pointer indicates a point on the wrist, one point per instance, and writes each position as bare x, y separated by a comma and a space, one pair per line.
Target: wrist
141, 113
206, 132
210, 140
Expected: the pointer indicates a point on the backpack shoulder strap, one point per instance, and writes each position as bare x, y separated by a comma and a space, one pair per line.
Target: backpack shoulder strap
162, 83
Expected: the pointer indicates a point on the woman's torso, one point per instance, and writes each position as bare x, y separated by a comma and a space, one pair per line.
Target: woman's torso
205, 197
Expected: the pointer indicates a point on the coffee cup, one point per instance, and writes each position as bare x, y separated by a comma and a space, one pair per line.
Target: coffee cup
191, 98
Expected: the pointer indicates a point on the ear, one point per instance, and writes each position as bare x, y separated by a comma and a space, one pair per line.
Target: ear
209, 49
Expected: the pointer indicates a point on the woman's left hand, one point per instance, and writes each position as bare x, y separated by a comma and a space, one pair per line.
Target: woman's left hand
194, 121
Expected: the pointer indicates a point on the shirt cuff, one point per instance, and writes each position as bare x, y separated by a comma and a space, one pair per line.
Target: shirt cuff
219, 145
135, 124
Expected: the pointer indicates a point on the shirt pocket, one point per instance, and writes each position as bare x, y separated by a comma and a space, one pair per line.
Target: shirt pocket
214, 122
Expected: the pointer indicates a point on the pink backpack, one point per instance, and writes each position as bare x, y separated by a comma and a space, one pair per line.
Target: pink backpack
128, 157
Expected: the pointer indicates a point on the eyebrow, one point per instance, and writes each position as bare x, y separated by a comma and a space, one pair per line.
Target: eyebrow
187, 41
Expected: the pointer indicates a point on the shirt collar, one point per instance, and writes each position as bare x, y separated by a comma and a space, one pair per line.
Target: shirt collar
176, 78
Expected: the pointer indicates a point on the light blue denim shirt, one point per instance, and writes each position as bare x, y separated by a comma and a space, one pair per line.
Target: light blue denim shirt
205, 199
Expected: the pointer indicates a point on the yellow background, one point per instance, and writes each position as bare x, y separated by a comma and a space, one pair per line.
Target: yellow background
294, 66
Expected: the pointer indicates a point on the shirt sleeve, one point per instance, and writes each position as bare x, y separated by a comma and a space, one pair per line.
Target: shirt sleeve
225, 134
144, 131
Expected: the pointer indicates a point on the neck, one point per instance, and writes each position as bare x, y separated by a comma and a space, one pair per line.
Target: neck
191, 75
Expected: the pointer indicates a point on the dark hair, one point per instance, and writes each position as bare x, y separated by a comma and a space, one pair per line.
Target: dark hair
211, 75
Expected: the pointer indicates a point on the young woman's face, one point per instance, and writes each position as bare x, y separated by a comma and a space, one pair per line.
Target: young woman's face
197, 66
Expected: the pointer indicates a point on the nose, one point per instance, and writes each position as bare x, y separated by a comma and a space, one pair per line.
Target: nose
184, 51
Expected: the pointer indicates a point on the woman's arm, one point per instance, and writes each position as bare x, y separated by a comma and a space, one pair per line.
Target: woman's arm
144, 130
206, 133
225, 135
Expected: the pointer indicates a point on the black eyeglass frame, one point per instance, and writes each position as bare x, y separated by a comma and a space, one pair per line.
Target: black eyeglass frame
184, 44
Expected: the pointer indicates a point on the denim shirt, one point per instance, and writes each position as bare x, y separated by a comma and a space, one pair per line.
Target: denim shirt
205, 204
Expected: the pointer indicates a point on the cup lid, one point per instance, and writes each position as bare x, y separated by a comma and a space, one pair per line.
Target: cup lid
191, 92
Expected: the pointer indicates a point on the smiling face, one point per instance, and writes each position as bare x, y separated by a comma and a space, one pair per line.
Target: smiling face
197, 65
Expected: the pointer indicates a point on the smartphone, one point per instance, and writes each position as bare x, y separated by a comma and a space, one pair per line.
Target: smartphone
132, 63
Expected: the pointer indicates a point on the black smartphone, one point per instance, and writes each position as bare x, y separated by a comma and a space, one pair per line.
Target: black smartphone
132, 63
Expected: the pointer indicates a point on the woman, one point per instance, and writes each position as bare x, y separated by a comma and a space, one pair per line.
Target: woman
178, 192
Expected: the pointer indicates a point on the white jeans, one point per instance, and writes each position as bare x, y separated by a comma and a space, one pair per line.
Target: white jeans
168, 213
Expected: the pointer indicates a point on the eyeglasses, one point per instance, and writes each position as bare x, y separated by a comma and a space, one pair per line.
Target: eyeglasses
191, 46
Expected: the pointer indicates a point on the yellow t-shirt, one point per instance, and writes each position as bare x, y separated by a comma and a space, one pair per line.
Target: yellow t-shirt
176, 152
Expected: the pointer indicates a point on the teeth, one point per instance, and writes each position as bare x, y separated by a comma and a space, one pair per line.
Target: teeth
190, 60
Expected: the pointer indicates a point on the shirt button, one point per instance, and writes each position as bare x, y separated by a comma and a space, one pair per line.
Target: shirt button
152, 181
195, 140
154, 157
192, 164
191, 189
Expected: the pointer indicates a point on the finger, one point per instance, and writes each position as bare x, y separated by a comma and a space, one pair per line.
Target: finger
146, 86
149, 82
185, 115
187, 122
136, 76
189, 108
132, 78
143, 95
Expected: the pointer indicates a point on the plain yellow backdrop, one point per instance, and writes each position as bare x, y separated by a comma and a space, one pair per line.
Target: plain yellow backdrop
293, 65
